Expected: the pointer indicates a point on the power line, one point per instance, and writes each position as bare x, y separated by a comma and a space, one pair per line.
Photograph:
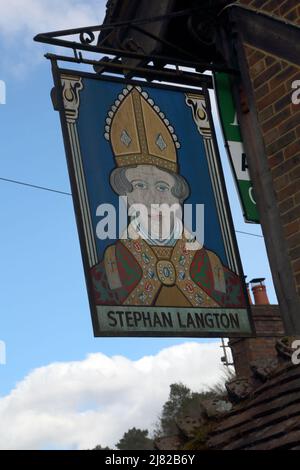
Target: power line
64, 193
43, 188
248, 233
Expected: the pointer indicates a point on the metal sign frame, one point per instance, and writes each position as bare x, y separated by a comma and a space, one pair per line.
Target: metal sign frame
73, 172
122, 60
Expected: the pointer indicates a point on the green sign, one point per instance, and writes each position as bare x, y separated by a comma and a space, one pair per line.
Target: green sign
236, 151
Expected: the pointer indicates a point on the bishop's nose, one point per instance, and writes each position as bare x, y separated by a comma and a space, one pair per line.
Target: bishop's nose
156, 197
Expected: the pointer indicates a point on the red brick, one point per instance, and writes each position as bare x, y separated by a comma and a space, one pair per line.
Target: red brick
292, 15
283, 102
290, 123
258, 68
297, 196
262, 91
275, 120
266, 114
282, 142
286, 205
280, 126
288, 191
291, 79
297, 279
267, 74
298, 22
296, 266
271, 6
258, 3
285, 74
295, 108
291, 229
272, 98
281, 182
276, 159
287, 166
287, 6
270, 60
292, 149
294, 241
271, 136
291, 215
294, 175
254, 58
295, 253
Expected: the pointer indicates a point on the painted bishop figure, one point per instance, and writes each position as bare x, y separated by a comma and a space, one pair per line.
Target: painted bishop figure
146, 269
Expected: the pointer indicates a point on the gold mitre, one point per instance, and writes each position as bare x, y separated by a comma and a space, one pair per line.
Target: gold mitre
139, 132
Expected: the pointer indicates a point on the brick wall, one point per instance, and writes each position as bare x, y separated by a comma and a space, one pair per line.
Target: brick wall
279, 118
269, 329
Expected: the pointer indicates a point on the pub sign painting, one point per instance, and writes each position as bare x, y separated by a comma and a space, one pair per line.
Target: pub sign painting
156, 235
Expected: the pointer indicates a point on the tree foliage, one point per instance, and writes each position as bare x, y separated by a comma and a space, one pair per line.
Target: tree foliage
135, 439
178, 398
181, 400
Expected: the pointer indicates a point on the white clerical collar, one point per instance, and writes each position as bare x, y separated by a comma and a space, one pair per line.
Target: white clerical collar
136, 228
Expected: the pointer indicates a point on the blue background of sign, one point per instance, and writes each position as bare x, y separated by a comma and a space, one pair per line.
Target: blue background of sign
96, 99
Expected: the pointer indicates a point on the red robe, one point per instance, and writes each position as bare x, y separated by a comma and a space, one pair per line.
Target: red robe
134, 273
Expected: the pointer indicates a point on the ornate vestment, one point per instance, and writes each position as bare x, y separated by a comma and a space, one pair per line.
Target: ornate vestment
135, 273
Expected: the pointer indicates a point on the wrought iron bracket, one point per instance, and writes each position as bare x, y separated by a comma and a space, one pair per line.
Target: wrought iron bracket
147, 72
150, 67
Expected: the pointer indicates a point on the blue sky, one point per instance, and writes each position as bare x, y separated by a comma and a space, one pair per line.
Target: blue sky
44, 312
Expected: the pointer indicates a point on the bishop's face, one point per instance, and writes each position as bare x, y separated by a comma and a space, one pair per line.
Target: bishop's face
152, 187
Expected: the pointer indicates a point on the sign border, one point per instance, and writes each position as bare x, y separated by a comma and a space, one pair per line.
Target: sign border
59, 106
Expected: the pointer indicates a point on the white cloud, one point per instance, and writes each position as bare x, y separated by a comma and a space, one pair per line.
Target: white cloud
81, 404
35, 16
21, 20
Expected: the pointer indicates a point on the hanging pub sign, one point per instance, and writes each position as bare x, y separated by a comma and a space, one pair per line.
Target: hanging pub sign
157, 239
235, 146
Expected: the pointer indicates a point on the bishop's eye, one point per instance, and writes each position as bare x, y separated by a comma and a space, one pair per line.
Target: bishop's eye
141, 185
162, 187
